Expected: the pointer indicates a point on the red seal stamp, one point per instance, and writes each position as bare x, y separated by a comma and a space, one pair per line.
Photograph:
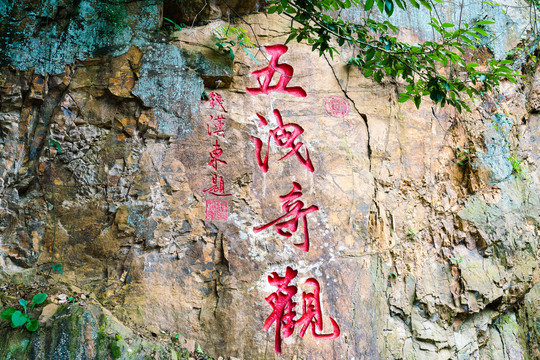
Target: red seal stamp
217, 210
337, 106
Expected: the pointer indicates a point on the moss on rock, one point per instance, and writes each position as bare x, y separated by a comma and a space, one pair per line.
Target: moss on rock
82, 333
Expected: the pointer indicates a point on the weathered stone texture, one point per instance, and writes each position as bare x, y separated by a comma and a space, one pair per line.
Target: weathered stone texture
423, 250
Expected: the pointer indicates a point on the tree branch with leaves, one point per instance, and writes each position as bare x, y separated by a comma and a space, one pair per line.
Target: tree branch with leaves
378, 53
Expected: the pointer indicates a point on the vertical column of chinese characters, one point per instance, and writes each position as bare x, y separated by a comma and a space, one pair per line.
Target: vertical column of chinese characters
216, 207
285, 135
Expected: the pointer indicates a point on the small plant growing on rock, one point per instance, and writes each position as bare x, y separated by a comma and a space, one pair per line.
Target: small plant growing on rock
17, 318
169, 26
412, 235
58, 268
200, 355
57, 145
464, 155
225, 43
517, 166
178, 27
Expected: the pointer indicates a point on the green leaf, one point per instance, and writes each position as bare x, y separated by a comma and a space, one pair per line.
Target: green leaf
272, 9
291, 37
401, 4
39, 298
32, 325
60, 267
472, 64
417, 101
290, 10
381, 5
511, 79
23, 303
7, 313
480, 31
465, 39
369, 5
436, 96
389, 7
18, 319
447, 25
404, 97
443, 59
57, 145
472, 33
370, 53
179, 27
426, 5
485, 22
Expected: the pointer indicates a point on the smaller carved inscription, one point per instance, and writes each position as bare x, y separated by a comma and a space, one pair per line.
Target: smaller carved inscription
337, 106
215, 99
217, 210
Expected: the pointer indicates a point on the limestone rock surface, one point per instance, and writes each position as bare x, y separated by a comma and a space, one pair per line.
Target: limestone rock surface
425, 243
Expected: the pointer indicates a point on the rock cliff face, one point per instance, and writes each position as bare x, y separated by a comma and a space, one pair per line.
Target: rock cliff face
425, 242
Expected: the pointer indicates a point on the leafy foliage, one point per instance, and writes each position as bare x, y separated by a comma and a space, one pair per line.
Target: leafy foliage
412, 235
517, 166
227, 37
464, 155
380, 54
57, 145
58, 268
178, 27
18, 318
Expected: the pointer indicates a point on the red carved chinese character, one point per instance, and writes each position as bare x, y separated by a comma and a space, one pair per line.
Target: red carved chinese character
215, 98
217, 124
217, 187
214, 155
286, 72
312, 315
282, 306
284, 136
295, 210
283, 309
217, 210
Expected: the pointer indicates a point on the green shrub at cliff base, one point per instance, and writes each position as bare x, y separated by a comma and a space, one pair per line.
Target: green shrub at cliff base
18, 318
378, 53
